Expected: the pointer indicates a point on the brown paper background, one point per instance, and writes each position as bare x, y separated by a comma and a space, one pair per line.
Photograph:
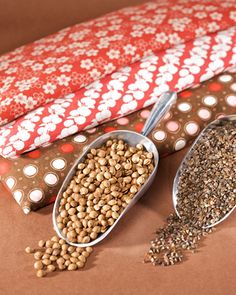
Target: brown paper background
115, 267
23, 21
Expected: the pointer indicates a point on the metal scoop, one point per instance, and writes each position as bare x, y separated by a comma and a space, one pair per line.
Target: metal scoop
132, 138
213, 124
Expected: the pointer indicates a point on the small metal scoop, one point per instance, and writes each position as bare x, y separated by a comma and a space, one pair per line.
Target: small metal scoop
215, 123
132, 138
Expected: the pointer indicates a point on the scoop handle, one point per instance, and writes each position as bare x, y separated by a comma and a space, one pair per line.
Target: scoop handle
160, 108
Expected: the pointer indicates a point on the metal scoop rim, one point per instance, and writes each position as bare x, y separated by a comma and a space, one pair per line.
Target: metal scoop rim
176, 179
134, 200
158, 111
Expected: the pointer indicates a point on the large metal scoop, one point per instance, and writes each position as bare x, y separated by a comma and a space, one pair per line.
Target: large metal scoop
132, 138
213, 124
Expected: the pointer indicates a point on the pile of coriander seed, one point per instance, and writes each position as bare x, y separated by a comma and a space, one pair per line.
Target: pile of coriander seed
206, 193
103, 186
56, 254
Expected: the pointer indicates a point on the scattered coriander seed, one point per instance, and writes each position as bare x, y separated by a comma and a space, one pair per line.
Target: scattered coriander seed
28, 250
38, 265
41, 243
38, 255
72, 266
80, 264
62, 257
46, 261
51, 268
102, 187
40, 273
61, 267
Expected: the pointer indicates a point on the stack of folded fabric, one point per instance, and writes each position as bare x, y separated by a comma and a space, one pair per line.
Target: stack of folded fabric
59, 93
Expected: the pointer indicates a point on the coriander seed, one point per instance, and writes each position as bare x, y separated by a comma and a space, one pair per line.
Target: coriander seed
40, 273
28, 250
102, 187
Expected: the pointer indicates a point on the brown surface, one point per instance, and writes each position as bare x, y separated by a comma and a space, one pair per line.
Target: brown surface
23, 21
116, 265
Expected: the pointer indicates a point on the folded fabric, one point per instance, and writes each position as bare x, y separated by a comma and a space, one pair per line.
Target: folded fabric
62, 63
125, 91
34, 178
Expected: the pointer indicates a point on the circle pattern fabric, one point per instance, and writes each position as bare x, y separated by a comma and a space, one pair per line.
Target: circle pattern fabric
35, 177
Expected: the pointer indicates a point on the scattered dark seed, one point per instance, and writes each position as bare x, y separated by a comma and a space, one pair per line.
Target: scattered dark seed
206, 192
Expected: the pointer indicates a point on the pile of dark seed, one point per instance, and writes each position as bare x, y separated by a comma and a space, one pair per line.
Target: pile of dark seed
206, 193
207, 184
177, 236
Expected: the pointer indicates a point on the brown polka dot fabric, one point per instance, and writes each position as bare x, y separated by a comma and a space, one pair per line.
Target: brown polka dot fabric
35, 177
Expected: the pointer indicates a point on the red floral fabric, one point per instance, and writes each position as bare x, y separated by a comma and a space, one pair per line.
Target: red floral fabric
127, 90
54, 66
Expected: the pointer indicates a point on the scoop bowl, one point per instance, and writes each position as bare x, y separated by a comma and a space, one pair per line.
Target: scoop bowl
132, 138
216, 122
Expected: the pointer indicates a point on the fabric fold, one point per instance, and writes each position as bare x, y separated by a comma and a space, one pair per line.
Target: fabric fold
34, 178
123, 92
62, 63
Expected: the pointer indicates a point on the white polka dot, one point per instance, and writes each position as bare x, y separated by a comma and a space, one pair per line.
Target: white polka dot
145, 114
127, 98
19, 145
51, 179
18, 195
80, 138
36, 195
172, 126
210, 100
233, 86
24, 135
225, 78
204, 114
58, 164
92, 130
123, 121
183, 72
179, 144
231, 100
7, 150
10, 181
30, 170
191, 128
159, 135
184, 107
195, 69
